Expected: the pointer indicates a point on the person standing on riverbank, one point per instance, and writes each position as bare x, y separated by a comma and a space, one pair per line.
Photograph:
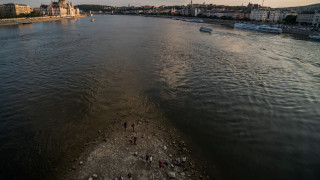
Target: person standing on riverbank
132, 127
160, 164
131, 140
130, 176
125, 126
150, 159
184, 160
135, 140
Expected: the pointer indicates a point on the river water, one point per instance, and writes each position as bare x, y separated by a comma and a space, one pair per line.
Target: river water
249, 102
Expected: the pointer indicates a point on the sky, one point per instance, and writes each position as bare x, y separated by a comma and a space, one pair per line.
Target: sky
271, 3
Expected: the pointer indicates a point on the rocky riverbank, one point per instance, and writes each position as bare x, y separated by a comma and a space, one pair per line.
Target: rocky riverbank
15, 21
116, 156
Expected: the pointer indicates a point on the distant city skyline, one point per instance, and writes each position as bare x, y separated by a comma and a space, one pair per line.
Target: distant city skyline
271, 3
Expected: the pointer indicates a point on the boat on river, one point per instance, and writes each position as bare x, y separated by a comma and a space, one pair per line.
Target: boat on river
195, 20
269, 29
260, 28
246, 26
92, 19
23, 22
205, 29
314, 36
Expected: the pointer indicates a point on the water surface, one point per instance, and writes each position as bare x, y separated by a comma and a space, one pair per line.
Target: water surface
247, 101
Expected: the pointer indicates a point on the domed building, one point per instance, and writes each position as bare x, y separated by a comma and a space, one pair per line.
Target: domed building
60, 8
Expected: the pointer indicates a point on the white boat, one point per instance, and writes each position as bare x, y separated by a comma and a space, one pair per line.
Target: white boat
269, 29
314, 36
246, 26
92, 19
260, 28
23, 22
205, 29
195, 20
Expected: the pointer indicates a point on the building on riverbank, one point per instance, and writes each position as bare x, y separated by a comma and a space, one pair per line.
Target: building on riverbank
14, 9
284, 14
265, 15
253, 6
60, 8
316, 20
306, 17
190, 10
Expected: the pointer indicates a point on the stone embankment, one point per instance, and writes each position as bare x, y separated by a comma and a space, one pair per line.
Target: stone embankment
117, 156
15, 21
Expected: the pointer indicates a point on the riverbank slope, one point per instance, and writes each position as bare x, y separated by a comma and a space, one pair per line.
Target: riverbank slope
15, 21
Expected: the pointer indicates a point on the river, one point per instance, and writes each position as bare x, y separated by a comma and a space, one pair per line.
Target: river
248, 102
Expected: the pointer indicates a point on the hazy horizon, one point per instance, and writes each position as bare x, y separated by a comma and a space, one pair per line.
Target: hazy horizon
271, 3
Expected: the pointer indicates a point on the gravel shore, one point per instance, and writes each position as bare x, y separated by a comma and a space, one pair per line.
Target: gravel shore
116, 156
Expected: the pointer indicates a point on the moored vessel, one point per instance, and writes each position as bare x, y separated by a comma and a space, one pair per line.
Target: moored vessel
260, 28
314, 36
205, 29
269, 29
195, 20
246, 26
